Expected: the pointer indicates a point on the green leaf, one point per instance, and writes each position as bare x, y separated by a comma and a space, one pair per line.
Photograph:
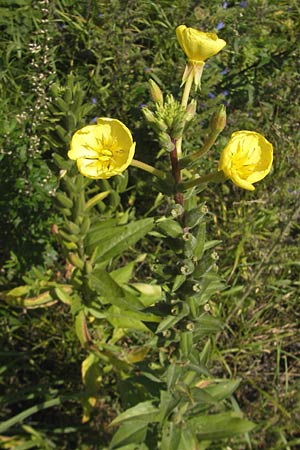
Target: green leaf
122, 318
4, 426
167, 323
188, 440
170, 436
112, 292
168, 403
144, 411
123, 274
128, 433
177, 438
200, 236
170, 321
124, 237
207, 325
202, 398
18, 291
81, 328
100, 232
91, 373
173, 373
219, 426
170, 227
211, 244
149, 293
134, 447
223, 389
97, 198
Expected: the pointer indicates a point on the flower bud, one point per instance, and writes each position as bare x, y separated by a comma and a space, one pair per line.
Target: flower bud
149, 116
191, 110
177, 210
218, 120
155, 92
166, 142
187, 268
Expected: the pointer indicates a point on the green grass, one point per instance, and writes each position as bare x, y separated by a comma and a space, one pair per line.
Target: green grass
111, 51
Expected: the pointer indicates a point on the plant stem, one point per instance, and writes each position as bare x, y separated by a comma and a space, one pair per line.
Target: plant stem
147, 168
211, 177
184, 102
178, 196
209, 142
187, 90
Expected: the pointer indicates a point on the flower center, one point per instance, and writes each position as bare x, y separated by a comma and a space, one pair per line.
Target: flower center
108, 151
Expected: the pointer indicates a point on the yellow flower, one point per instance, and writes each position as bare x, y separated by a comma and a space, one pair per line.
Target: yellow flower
102, 150
198, 45
246, 159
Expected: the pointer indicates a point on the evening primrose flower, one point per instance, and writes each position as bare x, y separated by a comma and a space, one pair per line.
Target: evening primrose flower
246, 159
102, 150
198, 47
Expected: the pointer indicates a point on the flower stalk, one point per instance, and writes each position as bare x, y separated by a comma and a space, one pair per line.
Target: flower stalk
147, 168
215, 177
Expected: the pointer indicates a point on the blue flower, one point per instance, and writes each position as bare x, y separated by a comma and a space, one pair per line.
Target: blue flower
224, 71
224, 5
211, 95
220, 25
243, 4
94, 100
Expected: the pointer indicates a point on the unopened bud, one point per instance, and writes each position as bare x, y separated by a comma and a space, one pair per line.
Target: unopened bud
197, 287
166, 142
177, 128
76, 260
156, 93
215, 256
149, 116
190, 110
177, 210
218, 120
187, 268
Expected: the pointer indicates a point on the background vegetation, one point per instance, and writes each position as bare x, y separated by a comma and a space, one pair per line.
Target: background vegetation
102, 53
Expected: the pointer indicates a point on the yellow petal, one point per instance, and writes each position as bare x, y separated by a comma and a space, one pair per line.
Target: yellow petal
246, 159
198, 45
102, 150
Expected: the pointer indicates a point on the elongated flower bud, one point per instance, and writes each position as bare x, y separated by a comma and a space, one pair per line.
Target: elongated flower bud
218, 120
190, 110
149, 116
156, 93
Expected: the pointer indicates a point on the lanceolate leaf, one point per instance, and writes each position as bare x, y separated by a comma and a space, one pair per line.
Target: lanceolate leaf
122, 237
112, 292
223, 389
124, 318
219, 426
133, 431
143, 411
